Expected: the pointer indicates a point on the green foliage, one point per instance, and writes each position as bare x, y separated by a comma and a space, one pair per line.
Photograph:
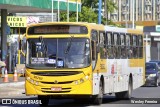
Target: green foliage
88, 15
110, 6
89, 12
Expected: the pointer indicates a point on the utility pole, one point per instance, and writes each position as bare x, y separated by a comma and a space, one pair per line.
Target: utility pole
126, 15
58, 11
99, 11
77, 11
67, 10
105, 11
52, 10
133, 14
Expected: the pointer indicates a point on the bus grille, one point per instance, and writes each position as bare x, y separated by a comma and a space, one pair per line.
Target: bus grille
56, 91
56, 73
50, 88
66, 82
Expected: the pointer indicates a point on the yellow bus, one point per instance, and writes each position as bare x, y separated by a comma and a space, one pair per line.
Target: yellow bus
75, 59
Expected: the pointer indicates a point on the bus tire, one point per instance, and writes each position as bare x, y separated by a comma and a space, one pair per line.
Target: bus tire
99, 98
125, 94
44, 100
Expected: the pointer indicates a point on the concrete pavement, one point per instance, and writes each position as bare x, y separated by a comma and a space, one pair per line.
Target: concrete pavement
11, 89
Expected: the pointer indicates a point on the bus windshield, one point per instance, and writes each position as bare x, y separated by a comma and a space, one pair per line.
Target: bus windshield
58, 53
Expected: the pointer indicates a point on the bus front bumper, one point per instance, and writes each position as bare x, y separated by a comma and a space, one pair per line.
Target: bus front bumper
84, 88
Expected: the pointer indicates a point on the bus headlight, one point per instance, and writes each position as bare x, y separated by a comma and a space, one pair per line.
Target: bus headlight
87, 77
81, 80
32, 81
76, 82
28, 78
36, 83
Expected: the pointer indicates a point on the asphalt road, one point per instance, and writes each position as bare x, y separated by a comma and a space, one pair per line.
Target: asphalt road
142, 97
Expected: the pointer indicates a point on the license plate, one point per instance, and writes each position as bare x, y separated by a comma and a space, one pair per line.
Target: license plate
56, 88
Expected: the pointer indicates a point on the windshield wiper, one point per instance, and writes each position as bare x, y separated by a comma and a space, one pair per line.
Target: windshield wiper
69, 45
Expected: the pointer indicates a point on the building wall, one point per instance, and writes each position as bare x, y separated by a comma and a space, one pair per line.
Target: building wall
144, 10
154, 53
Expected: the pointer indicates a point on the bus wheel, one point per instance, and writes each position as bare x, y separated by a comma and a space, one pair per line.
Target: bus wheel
99, 98
125, 94
44, 100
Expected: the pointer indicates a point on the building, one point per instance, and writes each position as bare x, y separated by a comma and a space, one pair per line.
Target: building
144, 12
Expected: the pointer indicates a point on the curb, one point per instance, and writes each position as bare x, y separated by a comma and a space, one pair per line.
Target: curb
12, 84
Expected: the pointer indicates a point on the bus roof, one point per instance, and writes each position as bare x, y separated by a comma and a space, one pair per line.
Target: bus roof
90, 25
115, 29
135, 31
74, 23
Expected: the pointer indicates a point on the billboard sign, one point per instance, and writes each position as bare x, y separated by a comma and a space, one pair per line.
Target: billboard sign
16, 21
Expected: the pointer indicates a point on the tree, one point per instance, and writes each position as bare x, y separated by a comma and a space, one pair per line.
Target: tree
89, 12
86, 15
109, 7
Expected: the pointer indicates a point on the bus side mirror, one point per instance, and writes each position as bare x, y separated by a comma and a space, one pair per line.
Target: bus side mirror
94, 50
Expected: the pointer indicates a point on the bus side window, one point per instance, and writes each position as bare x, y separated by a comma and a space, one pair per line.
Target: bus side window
129, 46
135, 46
119, 46
123, 46
116, 46
140, 44
109, 45
93, 50
102, 41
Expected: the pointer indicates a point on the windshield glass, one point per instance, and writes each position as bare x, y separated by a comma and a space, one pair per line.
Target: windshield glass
150, 66
157, 62
58, 53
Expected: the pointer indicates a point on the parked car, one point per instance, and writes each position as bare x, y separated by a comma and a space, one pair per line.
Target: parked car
152, 74
156, 61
